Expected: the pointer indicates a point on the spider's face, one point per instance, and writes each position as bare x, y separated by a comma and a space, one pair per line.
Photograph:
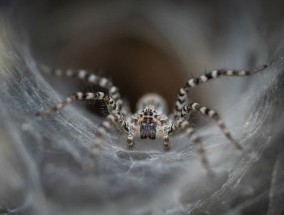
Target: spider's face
148, 124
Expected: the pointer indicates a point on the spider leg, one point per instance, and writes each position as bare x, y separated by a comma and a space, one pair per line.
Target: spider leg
96, 147
181, 125
111, 104
120, 123
187, 109
130, 142
113, 118
182, 95
166, 142
87, 77
115, 115
101, 132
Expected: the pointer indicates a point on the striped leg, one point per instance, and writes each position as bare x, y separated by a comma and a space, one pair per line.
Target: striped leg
181, 98
130, 142
183, 125
166, 142
101, 132
111, 104
187, 109
88, 77
114, 117
170, 129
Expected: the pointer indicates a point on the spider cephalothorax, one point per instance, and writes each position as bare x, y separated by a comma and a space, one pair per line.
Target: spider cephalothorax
151, 107
151, 119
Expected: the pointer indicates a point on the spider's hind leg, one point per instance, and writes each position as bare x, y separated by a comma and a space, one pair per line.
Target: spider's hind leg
101, 132
61, 105
193, 82
103, 129
114, 117
213, 115
88, 77
182, 125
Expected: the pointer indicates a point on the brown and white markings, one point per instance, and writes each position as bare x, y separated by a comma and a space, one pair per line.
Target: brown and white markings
151, 118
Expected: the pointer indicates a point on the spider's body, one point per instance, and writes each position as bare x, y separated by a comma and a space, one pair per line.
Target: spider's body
150, 115
151, 119
148, 124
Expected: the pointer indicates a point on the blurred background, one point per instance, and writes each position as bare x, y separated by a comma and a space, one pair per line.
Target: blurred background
142, 46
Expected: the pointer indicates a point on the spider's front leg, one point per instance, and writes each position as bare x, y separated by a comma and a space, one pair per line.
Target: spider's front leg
118, 120
166, 142
167, 130
130, 136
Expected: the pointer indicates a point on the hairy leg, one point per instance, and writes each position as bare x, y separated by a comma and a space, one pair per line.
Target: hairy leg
87, 77
182, 95
182, 125
111, 104
187, 109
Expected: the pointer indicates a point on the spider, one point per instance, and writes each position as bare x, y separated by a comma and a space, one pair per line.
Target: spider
151, 118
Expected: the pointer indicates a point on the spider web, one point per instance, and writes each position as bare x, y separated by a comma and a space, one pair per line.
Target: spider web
43, 162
